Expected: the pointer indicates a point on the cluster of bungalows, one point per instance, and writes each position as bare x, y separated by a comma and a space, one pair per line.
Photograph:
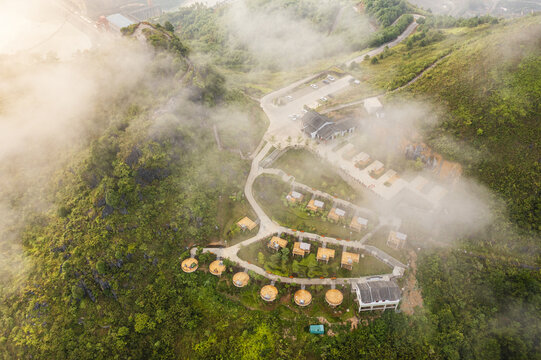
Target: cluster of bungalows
377, 295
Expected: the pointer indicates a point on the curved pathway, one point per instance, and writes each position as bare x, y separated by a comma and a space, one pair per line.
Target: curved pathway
266, 226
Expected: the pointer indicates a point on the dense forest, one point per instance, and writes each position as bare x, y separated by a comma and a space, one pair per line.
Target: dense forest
104, 278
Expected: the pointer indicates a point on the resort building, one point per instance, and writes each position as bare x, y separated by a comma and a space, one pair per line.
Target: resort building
303, 298
377, 295
301, 248
189, 265
217, 267
324, 254
277, 243
294, 197
246, 224
334, 297
374, 107
317, 126
348, 259
269, 293
336, 214
358, 223
315, 205
396, 240
241, 279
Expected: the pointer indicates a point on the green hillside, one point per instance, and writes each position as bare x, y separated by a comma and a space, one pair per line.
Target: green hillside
104, 280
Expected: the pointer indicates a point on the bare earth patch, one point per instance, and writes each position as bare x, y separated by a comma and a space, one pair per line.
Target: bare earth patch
412, 294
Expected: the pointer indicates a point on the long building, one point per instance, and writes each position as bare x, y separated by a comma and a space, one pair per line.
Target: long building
321, 127
377, 295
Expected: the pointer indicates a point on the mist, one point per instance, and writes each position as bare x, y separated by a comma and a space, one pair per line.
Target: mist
49, 109
276, 36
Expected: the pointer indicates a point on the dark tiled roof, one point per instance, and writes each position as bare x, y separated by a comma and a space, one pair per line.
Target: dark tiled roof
373, 291
324, 127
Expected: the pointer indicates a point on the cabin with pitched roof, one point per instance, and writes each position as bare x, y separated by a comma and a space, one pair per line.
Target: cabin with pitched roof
294, 197
358, 223
348, 259
277, 243
336, 214
396, 240
246, 224
325, 254
315, 205
301, 248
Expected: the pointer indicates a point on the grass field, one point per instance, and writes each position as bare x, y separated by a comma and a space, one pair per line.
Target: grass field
282, 263
270, 192
317, 173
230, 211
379, 240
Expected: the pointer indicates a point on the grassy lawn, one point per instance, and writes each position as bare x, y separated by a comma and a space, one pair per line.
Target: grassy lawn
230, 211
379, 240
242, 126
285, 264
312, 171
270, 192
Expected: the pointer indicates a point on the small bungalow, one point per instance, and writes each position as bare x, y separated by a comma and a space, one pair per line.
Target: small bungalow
334, 297
276, 243
361, 160
189, 265
294, 197
217, 267
268, 293
377, 170
315, 205
358, 223
246, 223
325, 254
348, 259
301, 248
303, 298
336, 214
396, 240
241, 279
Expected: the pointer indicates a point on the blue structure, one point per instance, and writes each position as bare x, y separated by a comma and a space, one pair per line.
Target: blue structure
317, 329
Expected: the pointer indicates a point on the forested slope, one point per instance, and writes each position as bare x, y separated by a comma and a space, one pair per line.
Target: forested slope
104, 277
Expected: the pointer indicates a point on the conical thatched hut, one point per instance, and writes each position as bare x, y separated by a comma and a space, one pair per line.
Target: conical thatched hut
217, 267
269, 293
334, 297
189, 265
303, 298
241, 279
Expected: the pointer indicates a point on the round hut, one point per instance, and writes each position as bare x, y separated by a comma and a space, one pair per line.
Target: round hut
217, 267
303, 298
189, 265
241, 279
269, 293
334, 297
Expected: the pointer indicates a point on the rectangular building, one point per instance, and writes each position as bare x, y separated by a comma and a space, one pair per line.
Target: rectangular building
377, 295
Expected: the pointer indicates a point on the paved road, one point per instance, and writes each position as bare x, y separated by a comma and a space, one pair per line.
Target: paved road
409, 30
